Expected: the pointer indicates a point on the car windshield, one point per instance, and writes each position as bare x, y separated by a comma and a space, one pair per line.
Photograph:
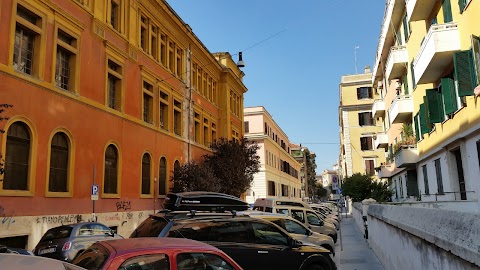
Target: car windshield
57, 233
151, 227
92, 258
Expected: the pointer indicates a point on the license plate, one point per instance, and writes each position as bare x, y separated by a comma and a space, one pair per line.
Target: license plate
47, 250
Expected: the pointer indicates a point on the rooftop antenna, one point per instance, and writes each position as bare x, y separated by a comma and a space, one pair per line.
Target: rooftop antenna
356, 47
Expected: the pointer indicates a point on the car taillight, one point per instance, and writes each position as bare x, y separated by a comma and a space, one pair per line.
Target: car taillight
67, 246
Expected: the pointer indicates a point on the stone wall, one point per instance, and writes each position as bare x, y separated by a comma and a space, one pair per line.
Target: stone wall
406, 237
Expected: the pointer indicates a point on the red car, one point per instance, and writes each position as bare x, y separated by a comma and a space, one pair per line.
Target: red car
155, 253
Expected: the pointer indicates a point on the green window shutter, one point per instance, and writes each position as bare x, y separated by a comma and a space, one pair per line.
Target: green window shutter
423, 120
462, 4
412, 186
390, 153
447, 11
435, 106
417, 131
463, 65
405, 27
405, 84
413, 74
449, 95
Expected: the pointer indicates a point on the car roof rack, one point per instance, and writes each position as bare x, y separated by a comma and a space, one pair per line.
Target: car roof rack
203, 201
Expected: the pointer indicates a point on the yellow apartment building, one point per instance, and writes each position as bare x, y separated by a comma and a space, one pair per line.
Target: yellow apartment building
430, 50
279, 172
358, 153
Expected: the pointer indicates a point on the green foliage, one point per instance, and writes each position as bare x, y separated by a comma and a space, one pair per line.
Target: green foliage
229, 169
193, 176
360, 186
321, 192
234, 163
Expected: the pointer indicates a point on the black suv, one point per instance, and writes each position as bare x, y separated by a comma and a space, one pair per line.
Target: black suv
253, 243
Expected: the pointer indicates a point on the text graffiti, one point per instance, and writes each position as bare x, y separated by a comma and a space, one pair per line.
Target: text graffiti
123, 205
6, 218
65, 219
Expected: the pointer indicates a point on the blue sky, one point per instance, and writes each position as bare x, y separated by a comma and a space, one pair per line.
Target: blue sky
295, 53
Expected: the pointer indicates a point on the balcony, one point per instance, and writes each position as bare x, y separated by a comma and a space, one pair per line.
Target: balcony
378, 108
401, 109
436, 52
385, 171
397, 62
406, 156
381, 140
418, 10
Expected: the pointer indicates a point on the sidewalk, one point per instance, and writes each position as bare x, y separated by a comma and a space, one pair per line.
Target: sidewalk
356, 253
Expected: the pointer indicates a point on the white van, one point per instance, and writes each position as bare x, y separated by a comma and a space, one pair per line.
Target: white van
298, 210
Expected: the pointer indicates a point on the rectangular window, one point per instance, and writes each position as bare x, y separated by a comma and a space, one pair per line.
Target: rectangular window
144, 33
147, 102
115, 16
206, 137
214, 92
366, 143
365, 119
199, 80
194, 76
179, 62
171, 56
370, 167
364, 93
163, 118
438, 171
196, 127
163, 49
154, 42
246, 125
114, 85
28, 31
271, 188
214, 132
177, 117
425, 179
66, 60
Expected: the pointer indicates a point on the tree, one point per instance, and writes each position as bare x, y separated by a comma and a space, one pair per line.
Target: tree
321, 192
3, 107
234, 163
229, 169
361, 186
194, 176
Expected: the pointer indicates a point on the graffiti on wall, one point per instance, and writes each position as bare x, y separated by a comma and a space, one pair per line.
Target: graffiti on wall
61, 219
124, 205
6, 217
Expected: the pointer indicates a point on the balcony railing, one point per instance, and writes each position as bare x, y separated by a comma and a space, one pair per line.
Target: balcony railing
401, 109
381, 140
385, 171
406, 156
378, 108
396, 62
436, 52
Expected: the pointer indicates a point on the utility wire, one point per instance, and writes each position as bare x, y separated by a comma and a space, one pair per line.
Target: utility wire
258, 43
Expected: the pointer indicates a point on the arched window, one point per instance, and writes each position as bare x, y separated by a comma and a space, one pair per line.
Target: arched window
58, 177
17, 157
110, 181
146, 177
162, 183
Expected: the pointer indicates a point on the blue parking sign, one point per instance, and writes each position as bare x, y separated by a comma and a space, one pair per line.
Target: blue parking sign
94, 189
339, 191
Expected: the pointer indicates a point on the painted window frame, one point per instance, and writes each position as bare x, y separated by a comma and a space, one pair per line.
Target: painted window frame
74, 52
146, 177
70, 165
118, 171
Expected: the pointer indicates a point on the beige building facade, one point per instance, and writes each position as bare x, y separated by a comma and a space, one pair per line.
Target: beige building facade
279, 172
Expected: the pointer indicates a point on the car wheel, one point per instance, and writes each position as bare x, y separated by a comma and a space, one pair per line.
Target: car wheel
316, 267
334, 238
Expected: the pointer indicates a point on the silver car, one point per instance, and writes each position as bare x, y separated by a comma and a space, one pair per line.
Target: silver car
296, 229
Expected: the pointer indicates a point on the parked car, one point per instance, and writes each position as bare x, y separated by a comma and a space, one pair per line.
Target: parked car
296, 229
5, 249
154, 253
25, 262
66, 241
253, 243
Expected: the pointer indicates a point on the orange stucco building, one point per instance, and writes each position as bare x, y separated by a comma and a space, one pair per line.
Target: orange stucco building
112, 93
